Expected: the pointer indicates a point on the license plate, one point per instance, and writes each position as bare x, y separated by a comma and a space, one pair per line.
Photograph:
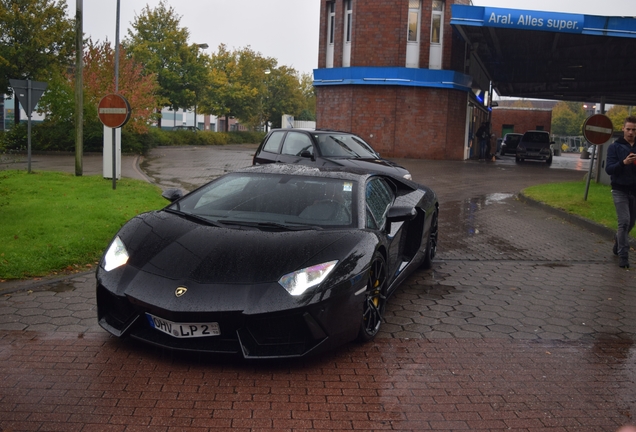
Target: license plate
184, 330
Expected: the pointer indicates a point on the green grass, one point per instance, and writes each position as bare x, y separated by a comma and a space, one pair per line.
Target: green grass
569, 197
54, 222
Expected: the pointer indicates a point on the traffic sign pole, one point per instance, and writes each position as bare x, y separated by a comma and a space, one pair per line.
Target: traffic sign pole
597, 130
34, 90
114, 112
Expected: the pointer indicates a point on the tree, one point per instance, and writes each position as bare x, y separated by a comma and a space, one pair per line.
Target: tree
161, 46
36, 41
309, 98
567, 118
284, 95
229, 94
99, 80
617, 114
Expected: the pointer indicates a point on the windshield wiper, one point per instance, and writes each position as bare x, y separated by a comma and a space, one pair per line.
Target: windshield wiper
196, 218
295, 227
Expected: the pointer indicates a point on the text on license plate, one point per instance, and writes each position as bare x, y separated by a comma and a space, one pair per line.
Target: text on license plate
184, 330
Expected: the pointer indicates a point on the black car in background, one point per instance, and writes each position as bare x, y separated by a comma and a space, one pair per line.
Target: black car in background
268, 261
323, 148
509, 143
535, 145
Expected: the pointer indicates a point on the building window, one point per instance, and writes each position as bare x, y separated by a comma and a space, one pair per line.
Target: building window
349, 16
436, 22
331, 28
331, 6
414, 20
346, 50
413, 35
437, 35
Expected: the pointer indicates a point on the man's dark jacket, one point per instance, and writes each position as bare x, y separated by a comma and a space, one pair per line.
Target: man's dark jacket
623, 177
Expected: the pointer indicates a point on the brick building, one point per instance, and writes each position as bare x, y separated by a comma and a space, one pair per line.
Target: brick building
397, 74
518, 120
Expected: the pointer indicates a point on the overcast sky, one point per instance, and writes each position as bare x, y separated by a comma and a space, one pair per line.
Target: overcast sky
284, 29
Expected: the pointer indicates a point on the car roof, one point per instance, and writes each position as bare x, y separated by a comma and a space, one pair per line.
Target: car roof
338, 172
312, 130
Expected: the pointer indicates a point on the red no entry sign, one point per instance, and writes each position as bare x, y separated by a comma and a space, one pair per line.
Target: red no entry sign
598, 129
113, 110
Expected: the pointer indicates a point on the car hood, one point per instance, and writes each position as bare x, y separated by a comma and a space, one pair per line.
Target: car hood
369, 164
174, 247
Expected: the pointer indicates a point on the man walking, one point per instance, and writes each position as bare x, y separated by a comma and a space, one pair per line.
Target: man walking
621, 166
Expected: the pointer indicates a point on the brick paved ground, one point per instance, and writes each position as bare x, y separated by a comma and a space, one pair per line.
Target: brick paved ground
525, 323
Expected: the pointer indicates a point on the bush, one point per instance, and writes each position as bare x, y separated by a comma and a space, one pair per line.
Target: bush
60, 137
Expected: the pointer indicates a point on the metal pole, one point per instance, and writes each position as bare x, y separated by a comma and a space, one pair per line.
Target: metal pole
116, 91
117, 50
114, 159
589, 174
28, 110
79, 86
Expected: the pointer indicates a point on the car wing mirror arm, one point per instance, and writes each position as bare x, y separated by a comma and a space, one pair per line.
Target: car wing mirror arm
172, 194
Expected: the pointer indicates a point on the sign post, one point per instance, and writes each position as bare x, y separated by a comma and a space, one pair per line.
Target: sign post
28, 94
597, 130
114, 112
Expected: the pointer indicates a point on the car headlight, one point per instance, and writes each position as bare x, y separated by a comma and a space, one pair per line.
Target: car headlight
116, 255
407, 176
300, 281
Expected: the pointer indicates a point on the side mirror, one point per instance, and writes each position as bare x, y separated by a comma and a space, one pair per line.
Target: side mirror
172, 194
306, 154
401, 214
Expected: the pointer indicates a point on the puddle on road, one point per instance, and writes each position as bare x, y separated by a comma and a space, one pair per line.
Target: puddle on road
61, 287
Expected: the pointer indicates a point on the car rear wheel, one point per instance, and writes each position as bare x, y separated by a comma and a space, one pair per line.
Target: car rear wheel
518, 159
549, 160
431, 244
375, 299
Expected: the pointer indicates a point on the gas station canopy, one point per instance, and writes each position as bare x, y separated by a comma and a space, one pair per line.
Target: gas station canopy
550, 55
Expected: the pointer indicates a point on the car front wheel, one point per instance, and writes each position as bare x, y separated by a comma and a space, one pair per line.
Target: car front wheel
431, 245
375, 299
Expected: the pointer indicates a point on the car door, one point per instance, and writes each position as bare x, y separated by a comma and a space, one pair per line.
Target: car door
268, 152
298, 148
379, 198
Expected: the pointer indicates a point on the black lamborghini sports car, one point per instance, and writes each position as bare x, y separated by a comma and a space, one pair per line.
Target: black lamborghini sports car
268, 261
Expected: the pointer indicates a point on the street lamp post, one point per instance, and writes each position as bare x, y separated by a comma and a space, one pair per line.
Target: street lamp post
267, 72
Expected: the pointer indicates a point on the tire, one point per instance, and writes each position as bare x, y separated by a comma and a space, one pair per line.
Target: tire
374, 299
431, 244
502, 152
549, 161
518, 159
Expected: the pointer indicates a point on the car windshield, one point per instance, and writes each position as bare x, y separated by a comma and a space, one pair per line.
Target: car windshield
344, 145
279, 200
536, 137
513, 139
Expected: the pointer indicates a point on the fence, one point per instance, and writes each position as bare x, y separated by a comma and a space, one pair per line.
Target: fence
570, 144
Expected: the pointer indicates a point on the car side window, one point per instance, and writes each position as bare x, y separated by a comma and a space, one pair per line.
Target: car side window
379, 196
273, 142
296, 143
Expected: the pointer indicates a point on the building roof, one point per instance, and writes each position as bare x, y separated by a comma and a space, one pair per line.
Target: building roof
548, 55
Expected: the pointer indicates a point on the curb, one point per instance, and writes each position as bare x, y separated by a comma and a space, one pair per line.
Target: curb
38, 284
594, 227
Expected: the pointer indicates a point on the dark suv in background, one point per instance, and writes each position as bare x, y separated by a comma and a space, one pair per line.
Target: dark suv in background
509, 143
535, 145
323, 148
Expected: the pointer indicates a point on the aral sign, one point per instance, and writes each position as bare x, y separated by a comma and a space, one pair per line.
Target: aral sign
533, 20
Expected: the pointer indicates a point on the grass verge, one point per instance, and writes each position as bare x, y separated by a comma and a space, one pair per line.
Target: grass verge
569, 197
53, 222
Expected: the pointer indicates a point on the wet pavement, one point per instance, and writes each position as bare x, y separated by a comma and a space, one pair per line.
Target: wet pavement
524, 323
